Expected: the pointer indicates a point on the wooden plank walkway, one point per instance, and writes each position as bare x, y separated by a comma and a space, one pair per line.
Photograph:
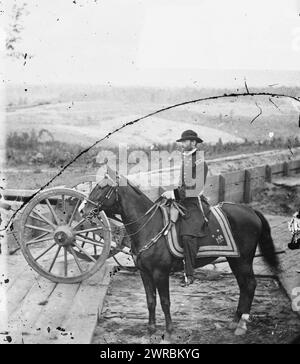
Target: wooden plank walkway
40, 311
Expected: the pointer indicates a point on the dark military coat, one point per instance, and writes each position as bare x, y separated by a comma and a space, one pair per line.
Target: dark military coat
192, 180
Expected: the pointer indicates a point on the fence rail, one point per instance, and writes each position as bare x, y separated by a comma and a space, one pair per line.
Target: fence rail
237, 186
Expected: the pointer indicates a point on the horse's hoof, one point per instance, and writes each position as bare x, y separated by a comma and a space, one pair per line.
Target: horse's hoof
240, 331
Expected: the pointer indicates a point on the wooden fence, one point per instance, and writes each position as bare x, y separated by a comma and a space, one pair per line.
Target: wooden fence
237, 186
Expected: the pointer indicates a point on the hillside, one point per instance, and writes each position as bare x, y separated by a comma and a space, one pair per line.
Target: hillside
90, 114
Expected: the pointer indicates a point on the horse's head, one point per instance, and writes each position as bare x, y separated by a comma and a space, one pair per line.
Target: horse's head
104, 196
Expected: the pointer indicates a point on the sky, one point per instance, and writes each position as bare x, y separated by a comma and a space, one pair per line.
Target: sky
213, 43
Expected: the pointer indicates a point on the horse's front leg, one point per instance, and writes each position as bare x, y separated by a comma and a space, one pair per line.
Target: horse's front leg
161, 280
150, 290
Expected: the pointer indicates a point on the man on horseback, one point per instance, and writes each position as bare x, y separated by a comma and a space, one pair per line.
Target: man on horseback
193, 225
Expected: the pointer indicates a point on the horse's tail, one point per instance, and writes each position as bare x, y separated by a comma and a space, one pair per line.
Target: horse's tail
266, 244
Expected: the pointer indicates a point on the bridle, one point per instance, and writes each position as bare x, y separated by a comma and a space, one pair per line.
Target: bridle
114, 187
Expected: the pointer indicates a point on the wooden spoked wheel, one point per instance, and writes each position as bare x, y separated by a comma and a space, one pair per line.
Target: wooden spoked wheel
58, 242
85, 184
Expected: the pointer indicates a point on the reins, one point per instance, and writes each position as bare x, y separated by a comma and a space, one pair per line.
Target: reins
114, 188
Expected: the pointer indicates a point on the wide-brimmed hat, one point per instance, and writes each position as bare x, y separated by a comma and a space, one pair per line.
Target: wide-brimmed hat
189, 135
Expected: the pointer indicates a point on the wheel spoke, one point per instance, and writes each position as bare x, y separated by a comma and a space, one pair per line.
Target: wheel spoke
89, 241
83, 241
84, 252
88, 230
79, 223
66, 262
54, 259
95, 247
63, 206
39, 239
36, 218
44, 219
52, 211
75, 258
74, 211
45, 252
34, 227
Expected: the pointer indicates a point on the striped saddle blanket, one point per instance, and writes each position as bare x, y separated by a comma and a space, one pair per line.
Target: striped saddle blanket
219, 241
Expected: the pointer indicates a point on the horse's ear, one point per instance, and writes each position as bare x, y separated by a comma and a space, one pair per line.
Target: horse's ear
115, 177
103, 182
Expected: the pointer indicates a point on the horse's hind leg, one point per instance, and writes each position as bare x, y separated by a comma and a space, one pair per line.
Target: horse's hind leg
243, 272
161, 280
151, 299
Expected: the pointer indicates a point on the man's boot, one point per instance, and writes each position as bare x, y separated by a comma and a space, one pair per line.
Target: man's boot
190, 249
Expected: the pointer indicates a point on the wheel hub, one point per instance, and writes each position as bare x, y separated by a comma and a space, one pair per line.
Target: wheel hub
64, 236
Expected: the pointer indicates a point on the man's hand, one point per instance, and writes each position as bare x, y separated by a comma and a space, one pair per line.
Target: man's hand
169, 195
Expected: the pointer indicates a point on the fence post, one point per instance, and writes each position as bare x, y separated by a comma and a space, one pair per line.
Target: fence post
221, 196
268, 176
247, 186
286, 169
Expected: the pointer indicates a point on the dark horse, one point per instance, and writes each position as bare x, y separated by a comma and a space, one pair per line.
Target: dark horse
155, 262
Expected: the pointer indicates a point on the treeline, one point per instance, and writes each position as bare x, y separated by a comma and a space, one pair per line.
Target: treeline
42, 149
18, 96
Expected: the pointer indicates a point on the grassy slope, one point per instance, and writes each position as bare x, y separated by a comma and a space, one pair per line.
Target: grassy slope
86, 120
81, 118
235, 115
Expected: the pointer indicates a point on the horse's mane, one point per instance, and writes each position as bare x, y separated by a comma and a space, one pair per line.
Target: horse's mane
113, 175
138, 191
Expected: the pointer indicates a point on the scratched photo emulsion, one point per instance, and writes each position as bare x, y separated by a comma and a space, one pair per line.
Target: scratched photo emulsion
150, 174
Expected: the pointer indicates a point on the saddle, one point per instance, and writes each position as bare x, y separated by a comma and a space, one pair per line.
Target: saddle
218, 242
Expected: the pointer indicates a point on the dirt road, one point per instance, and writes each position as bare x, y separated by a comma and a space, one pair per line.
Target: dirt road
201, 312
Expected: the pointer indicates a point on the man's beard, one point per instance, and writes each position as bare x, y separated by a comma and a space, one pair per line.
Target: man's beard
188, 148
